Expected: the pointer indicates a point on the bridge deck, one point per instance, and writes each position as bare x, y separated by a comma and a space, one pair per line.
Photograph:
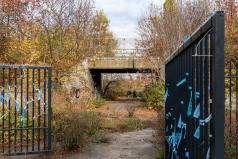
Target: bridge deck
117, 63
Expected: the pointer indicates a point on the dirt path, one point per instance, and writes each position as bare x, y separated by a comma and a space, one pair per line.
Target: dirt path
123, 106
131, 145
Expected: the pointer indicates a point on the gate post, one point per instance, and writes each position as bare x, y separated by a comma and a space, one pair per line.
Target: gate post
217, 139
49, 108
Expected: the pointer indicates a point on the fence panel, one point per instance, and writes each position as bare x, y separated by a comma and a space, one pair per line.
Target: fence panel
231, 109
25, 114
194, 96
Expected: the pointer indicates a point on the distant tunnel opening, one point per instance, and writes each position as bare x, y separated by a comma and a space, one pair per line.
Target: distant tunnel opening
103, 78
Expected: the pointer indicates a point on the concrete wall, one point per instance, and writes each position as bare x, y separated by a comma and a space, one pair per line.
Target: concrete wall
79, 78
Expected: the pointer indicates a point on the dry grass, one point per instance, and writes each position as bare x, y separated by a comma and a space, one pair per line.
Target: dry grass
122, 124
159, 135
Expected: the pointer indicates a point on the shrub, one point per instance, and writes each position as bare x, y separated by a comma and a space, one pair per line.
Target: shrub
153, 95
72, 127
123, 125
91, 123
159, 136
98, 102
134, 124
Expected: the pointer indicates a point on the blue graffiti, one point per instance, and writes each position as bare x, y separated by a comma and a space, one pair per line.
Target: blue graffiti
180, 123
187, 155
205, 121
16, 105
22, 121
197, 94
181, 82
190, 107
197, 133
166, 95
197, 112
208, 153
1, 98
39, 95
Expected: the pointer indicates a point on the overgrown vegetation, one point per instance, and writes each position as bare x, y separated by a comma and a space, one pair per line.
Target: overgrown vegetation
72, 128
60, 33
159, 136
113, 90
99, 102
153, 95
123, 124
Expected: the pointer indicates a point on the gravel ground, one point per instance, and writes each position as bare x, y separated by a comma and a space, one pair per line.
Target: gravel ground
131, 145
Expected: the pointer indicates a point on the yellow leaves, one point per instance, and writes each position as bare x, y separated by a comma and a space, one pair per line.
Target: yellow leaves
24, 51
170, 5
64, 79
35, 55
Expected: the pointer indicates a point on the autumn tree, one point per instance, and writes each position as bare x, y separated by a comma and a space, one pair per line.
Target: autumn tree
230, 7
13, 21
102, 36
60, 33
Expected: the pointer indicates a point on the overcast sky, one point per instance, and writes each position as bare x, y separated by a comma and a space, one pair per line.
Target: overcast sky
124, 14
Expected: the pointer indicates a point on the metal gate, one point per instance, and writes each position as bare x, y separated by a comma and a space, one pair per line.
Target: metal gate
194, 95
231, 110
25, 109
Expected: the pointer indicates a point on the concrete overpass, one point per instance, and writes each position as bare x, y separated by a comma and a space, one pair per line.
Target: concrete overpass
116, 64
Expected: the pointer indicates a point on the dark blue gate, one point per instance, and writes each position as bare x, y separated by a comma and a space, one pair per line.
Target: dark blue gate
195, 95
25, 109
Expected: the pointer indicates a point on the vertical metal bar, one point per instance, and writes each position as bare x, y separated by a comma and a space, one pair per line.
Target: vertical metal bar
15, 108
44, 108
230, 103
49, 108
193, 121
200, 100
197, 89
218, 86
27, 109
202, 97
3, 105
165, 114
236, 80
206, 85
210, 131
189, 121
39, 118
9, 110
33, 110
21, 85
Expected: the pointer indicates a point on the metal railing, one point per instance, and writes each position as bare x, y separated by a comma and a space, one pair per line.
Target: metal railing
194, 95
231, 110
25, 114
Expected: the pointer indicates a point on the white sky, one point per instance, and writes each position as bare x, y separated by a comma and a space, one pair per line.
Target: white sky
124, 14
